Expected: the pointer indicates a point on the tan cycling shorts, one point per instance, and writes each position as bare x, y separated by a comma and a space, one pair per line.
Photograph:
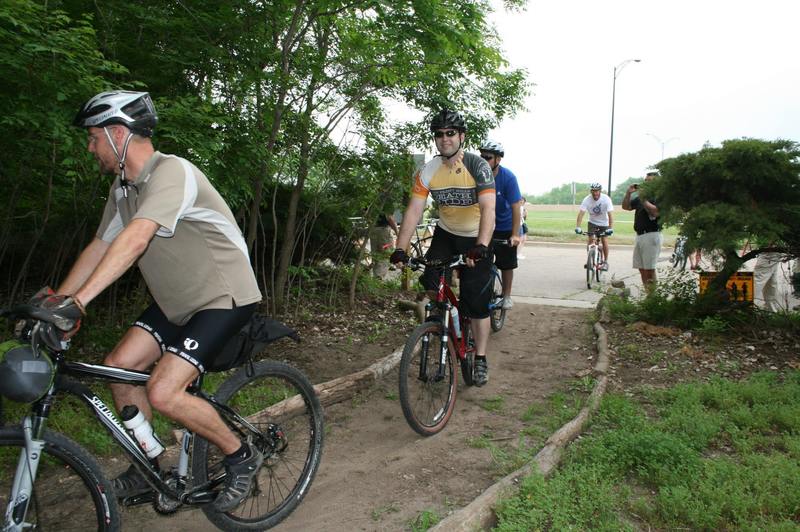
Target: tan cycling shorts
647, 250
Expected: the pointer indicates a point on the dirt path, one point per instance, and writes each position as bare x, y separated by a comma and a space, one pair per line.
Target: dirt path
377, 474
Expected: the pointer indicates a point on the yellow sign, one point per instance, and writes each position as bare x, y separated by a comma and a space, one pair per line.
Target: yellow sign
740, 285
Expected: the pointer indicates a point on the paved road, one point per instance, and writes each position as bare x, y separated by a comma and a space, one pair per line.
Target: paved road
552, 274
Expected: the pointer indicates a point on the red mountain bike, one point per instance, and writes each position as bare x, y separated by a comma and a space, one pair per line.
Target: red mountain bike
427, 376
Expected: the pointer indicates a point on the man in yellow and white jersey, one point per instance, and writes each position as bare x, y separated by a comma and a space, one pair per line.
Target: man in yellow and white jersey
463, 186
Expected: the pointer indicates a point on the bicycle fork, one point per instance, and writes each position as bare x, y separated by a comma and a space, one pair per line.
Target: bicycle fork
426, 340
22, 488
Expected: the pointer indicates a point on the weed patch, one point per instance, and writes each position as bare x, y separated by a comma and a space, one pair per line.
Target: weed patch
720, 455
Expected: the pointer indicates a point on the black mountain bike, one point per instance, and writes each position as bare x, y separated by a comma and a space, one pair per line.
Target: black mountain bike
498, 313
49, 482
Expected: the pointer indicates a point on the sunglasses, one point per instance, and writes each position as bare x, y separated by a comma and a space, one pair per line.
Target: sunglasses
449, 133
487, 157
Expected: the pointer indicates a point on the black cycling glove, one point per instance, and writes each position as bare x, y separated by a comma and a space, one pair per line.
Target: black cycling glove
478, 252
399, 255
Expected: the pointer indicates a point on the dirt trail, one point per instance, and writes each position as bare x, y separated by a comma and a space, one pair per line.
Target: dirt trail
378, 474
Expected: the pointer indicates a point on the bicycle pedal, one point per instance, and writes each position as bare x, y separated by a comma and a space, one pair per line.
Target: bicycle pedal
136, 500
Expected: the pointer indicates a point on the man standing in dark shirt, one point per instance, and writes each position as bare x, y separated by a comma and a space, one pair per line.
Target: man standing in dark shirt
648, 232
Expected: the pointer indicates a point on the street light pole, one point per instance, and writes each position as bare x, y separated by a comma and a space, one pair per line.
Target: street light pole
617, 71
662, 142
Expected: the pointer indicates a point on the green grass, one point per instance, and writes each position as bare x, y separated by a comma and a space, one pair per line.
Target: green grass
559, 224
721, 455
425, 520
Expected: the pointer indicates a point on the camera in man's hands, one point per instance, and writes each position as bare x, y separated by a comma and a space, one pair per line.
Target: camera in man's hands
636, 185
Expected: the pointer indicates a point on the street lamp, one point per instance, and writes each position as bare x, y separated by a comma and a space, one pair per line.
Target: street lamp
617, 70
662, 142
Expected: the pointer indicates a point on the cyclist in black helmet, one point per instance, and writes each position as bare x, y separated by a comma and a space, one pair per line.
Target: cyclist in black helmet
508, 216
462, 185
163, 215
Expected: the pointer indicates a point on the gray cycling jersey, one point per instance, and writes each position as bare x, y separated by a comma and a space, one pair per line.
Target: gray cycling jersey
198, 258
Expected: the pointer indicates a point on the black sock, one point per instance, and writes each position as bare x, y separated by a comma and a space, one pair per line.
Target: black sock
242, 453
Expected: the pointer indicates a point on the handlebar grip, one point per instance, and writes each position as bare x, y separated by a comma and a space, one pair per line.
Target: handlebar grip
29, 311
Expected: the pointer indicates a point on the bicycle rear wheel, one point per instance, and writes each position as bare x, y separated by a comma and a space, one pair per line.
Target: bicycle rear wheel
498, 313
70, 492
427, 389
281, 404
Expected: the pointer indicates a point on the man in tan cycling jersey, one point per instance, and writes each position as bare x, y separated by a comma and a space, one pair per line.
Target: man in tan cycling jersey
463, 186
163, 215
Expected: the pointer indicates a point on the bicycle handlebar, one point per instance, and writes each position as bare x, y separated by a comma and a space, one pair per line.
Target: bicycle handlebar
24, 311
596, 232
457, 260
502, 241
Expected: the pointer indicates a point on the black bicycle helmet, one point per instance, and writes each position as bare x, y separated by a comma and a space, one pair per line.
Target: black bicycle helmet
596, 186
447, 119
25, 376
493, 147
133, 110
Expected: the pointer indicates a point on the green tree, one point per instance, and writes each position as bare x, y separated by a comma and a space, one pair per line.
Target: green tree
47, 179
744, 190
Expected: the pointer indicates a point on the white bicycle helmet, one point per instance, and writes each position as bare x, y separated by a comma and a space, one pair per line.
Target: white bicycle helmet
596, 186
133, 110
493, 147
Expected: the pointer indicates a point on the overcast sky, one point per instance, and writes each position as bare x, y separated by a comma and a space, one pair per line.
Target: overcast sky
710, 70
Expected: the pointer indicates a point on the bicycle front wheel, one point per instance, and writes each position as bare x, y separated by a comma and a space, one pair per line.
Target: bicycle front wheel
498, 313
281, 404
468, 362
589, 268
70, 491
598, 266
427, 388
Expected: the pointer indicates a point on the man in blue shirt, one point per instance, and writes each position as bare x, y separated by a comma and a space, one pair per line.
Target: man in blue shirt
508, 216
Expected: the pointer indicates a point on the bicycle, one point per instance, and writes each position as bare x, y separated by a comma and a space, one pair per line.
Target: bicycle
428, 380
498, 313
595, 260
49, 481
679, 254
423, 233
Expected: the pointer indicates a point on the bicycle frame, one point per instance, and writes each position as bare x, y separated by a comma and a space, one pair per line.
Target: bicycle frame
595, 247
447, 298
34, 426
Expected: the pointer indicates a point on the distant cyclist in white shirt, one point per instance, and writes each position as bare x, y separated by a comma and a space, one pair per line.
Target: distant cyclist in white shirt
600, 218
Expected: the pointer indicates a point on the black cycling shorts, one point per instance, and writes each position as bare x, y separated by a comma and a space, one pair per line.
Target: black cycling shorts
505, 257
201, 338
476, 283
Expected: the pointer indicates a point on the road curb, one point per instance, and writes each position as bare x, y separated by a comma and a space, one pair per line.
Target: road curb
479, 514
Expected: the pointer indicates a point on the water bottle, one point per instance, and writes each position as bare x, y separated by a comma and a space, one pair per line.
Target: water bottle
455, 320
135, 422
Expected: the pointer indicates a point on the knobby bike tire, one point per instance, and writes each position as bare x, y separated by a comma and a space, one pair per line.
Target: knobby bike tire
70, 491
498, 313
598, 266
278, 400
589, 268
427, 402
468, 362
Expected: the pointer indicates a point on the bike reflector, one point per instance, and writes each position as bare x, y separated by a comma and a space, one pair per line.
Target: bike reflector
24, 375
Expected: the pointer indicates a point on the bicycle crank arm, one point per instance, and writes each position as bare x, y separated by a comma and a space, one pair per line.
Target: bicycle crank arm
200, 497
136, 500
